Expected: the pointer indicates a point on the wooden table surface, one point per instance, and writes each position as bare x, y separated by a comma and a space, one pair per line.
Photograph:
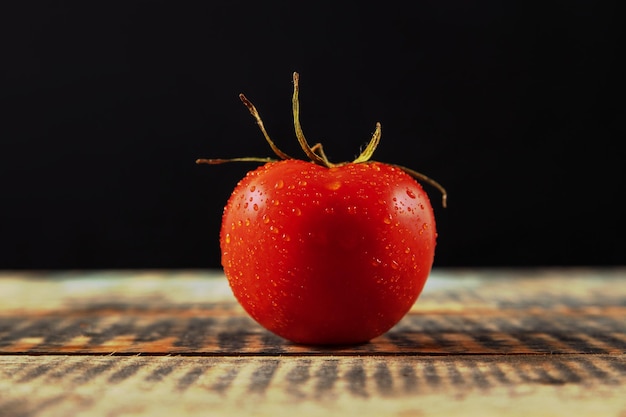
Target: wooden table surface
540, 342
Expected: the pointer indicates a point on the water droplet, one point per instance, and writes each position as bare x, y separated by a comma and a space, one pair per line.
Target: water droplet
279, 184
302, 183
387, 220
394, 265
410, 193
227, 238
376, 262
247, 222
286, 237
352, 210
255, 207
252, 189
329, 210
296, 211
333, 186
266, 219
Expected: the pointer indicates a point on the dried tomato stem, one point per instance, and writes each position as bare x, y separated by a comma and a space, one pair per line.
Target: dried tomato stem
223, 161
253, 111
421, 177
319, 149
371, 146
314, 157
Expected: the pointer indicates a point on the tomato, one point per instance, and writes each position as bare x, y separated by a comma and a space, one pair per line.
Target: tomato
322, 253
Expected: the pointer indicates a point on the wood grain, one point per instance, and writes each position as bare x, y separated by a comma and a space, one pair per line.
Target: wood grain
139, 343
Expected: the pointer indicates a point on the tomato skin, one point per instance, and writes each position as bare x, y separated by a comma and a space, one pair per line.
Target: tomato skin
327, 256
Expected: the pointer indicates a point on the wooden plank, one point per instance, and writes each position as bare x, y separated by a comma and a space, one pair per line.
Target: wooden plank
545, 342
124, 313
555, 385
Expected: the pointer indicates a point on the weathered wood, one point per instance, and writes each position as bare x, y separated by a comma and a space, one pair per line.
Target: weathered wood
538, 385
162, 343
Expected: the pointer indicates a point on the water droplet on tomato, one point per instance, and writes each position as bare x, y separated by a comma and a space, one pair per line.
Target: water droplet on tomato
376, 262
387, 220
247, 222
279, 184
266, 219
252, 189
334, 186
296, 211
286, 237
227, 238
410, 193
255, 207
352, 209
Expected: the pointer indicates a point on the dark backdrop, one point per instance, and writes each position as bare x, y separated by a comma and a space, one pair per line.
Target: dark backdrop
517, 109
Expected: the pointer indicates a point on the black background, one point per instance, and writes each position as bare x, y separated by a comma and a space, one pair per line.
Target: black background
517, 109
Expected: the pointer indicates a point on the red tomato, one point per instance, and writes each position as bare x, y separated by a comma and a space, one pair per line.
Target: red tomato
327, 255
323, 253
